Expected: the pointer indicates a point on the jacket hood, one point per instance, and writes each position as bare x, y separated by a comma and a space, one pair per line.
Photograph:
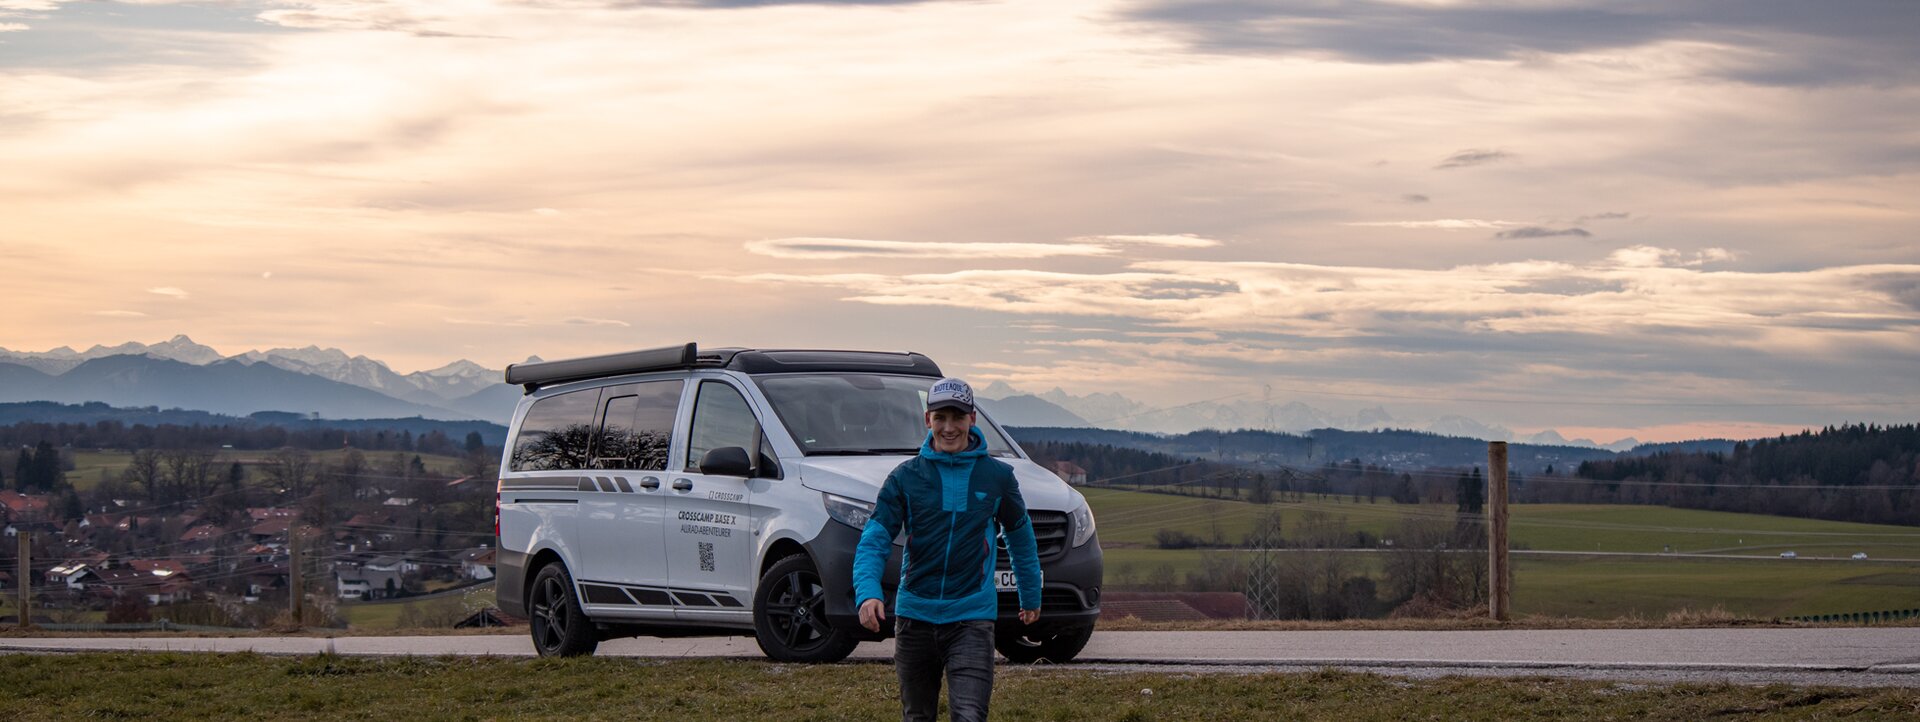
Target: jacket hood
976, 448
860, 477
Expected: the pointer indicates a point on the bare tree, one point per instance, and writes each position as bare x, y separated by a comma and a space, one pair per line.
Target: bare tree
144, 471
189, 474
292, 471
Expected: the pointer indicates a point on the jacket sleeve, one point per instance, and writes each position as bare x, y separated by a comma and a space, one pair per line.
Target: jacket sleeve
1021, 547
876, 541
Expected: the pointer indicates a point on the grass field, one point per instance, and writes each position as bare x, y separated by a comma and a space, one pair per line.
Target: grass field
246, 686
385, 614
1593, 587
1130, 519
1604, 587
89, 466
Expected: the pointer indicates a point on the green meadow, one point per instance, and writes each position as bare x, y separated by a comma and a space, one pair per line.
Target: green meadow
90, 466
327, 687
1664, 581
1129, 519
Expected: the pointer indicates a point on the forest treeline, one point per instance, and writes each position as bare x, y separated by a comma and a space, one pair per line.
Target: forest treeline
1856, 472
1859, 473
114, 434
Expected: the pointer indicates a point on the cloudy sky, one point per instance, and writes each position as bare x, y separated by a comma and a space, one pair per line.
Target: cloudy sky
1664, 218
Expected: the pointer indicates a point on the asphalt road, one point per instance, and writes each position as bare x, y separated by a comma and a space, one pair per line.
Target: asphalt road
1848, 656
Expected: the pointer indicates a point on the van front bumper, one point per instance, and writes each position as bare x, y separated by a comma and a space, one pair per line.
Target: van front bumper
1069, 598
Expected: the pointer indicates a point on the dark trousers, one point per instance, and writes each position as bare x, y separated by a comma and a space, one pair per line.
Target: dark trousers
962, 650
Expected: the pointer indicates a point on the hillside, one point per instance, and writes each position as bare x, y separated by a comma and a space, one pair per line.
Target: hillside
1398, 449
224, 387
96, 424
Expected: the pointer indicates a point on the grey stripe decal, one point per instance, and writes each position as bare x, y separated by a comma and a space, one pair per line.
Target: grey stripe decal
540, 484
674, 597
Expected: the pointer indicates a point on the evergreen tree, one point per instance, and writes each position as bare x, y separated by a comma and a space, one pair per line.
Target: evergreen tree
1262, 492
475, 443
1471, 492
46, 467
70, 505
23, 470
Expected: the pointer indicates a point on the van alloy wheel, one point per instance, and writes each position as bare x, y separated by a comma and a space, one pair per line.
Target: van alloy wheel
790, 615
559, 628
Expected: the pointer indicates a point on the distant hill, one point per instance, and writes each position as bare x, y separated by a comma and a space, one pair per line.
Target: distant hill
1694, 446
225, 387
1399, 449
53, 413
1026, 410
494, 403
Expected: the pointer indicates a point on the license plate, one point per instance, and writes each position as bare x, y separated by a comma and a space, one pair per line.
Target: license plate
1004, 580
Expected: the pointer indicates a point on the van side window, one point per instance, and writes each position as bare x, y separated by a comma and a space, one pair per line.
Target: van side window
556, 432
721, 418
637, 430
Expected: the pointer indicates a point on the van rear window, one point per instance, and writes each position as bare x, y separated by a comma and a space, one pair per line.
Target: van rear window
556, 433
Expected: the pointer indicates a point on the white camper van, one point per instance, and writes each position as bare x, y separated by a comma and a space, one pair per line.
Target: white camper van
687, 491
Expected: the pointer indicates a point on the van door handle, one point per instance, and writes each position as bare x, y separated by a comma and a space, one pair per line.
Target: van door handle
683, 485
650, 483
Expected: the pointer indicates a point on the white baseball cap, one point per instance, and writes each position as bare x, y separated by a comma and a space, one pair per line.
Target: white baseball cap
950, 393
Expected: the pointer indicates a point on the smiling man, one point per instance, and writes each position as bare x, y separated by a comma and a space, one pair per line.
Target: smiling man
952, 500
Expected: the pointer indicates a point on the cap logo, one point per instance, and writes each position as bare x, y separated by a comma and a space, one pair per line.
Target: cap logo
950, 391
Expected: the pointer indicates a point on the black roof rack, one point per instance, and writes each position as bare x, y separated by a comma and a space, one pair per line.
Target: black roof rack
685, 356
547, 373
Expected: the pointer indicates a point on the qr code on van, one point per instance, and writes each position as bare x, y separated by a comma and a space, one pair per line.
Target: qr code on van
706, 556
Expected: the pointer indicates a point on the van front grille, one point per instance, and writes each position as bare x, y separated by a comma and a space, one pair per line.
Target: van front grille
1052, 598
1050, 530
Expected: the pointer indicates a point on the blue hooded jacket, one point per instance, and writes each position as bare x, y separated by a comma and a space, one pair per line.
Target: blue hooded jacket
952, 506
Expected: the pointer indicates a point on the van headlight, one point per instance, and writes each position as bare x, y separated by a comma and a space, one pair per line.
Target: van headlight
851, 512
1082, 524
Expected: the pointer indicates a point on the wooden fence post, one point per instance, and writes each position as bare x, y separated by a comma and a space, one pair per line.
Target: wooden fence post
293, 572
1499, 573
25, 580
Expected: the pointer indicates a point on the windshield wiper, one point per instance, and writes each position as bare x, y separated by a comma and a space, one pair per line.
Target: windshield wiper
860, 452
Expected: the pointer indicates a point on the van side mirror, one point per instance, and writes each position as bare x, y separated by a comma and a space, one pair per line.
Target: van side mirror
726, 461
732, 461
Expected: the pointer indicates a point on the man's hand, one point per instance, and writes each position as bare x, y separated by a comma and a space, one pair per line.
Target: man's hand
1029, 616
874, 611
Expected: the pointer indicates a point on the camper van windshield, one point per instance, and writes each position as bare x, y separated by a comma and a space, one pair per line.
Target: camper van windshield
859, 414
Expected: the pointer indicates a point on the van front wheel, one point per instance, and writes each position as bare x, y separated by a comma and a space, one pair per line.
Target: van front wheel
790, 615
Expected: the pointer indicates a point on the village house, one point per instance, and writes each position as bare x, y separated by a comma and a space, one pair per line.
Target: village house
271, 532
201, 539
23, 507
366, 581
260, 514
477, 563
69, 574
162, 568
263, 578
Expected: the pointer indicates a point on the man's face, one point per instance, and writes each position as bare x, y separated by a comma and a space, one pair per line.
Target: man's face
950, 427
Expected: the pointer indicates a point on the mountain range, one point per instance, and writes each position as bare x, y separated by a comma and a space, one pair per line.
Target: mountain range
327, 383
330, 383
